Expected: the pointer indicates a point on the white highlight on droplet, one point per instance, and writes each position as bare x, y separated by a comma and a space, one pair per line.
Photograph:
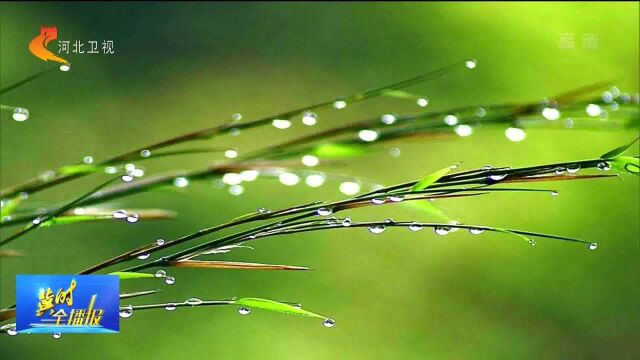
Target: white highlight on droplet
551, 113
181, 182
231, 178
464, 130
281, 124
289, 179
593, 110
314, 180
368, 135
339, 104
310, 160
349, 188
450, 120
422, 102
231, 154
515, 134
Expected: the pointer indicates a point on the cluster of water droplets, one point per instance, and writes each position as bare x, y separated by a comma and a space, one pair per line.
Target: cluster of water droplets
124, 215
131, 172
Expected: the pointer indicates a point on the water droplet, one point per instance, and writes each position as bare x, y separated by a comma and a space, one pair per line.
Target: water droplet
110, 170
234, 132
236, 117
310, 160
551, 113
368, 135
145, 153
126, 312
160, 274
231, 154
573, 168
476, 231
349, 188
144, 256
264, 211
394, 152
120, 214
339, 104
244, 310
604, 166
532, 242
347, 221
481, 112
450, 120
396, 198
442, 230
389, 221
592, 246
288, 179
515, 134
309, 118
65, 67
170, 307
181, 182
378, 201
388, 119
555, 193
471, 64
133, 218
56, 335
329, 323
249, 175
463, 130
414, 226
324, 211
377, 229
169, 280
560, 170
422, 102
314, 180
231, 178
126, 178
486, 167
12, 332
87, 160
20, 114
593, 110
160, 242
236, 190
193, 301
497, 177
37, 221
281, 124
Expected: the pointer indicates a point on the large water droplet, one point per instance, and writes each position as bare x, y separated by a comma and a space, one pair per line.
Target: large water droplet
65, 67
377, 228
160, 242
339, 104
497, 177
170, 307
592, 246
442, 230
120, 214
471, 64
414, 226
12, 332
126, 312
169, 280
133, 218
20, 114
160, 274
347, 221
144, 256
145, 153
573, 168
329, 323
396, 198
476, 231
604, 166
378, 201
244, 310
193, 301
56, 335
324, 211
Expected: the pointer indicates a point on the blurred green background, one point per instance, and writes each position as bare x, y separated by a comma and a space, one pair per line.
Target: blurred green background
183, 66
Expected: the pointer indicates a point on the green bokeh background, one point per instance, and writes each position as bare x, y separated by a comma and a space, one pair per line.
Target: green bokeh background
183, 66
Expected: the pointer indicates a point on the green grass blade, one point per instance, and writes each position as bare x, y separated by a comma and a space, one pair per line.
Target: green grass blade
618, 151
270, 305
432, 178
126, 275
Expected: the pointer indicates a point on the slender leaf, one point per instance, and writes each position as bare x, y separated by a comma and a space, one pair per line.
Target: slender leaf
629, 164
432, 178
126, 275
618, 151
233, 265
270, 305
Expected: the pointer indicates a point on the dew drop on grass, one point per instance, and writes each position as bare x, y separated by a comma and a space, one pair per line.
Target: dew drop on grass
126, 312
551, 113
377, 229
170, 307
193, 301
573, 168
515, 134
476, 231
450, 120
388, 119
346, 222
310, 160
281, 124
560, 170
324, 211
415, 226
87, 160
368, 135
497, 177
532, 242
349, 188
119, 214
56, 335
264, 211
592, 246
181, 182
236, 190
133, 218
20, 114
555, 193
378, 201
244, 311
442, 230
309, 118
65, 67
486, 167
396, 198
604, 166
160, 242
12, 332
144, 256
422, 102
339, 104
231, 154
160, 274
170, 280
471, 64
145, 153
126, 178
329, 323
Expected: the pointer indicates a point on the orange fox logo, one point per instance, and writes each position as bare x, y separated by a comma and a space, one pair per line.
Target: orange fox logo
38, 46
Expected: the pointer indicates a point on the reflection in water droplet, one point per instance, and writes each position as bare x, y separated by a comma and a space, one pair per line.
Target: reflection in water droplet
415, 226
377, 229
170, 307
442, 230
160, 274
170, 280
593, 246
476, 231
339, 104
145, 153
471, 64
346, 222
126, 312
181, 182
12, 332
244, 310
388, 119
160, 242
329, 323
281, 124
422, 102
324, 211
378, 201
309, 118
604, 166
573, 168
143, 256
133, 218
56, 335
560, 170
87, 160
193, 301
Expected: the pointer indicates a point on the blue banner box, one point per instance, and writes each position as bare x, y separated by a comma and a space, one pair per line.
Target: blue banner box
80, 304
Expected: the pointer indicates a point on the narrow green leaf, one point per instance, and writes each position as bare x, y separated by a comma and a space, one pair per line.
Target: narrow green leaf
525, 238
10, 207
432, 178
338, 151
79, 169
401, 94
125, 275
72, 219
629, 164
618, 151
270, 305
